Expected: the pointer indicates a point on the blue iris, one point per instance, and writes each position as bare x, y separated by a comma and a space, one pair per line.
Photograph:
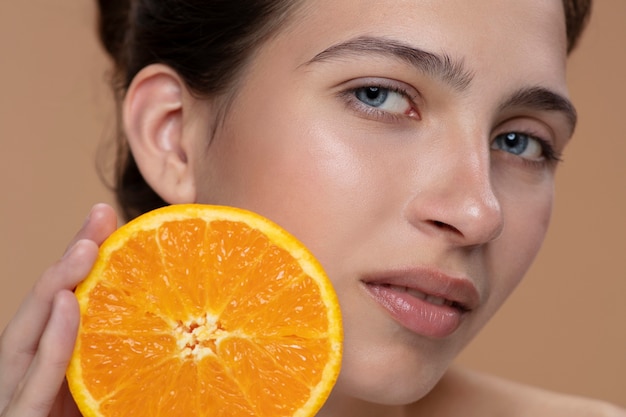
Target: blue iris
515, 143
372, 96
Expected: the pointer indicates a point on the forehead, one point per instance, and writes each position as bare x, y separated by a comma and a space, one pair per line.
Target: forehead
522, 39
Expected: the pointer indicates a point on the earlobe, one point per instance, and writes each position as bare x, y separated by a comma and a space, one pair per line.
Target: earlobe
153, 122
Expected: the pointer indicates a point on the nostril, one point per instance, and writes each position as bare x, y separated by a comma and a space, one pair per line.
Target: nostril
445, 226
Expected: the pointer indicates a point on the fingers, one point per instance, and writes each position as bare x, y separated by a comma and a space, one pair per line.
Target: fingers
45, 376
29, 321
100, 223
23, 336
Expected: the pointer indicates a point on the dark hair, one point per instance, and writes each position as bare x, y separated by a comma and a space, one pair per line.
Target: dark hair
207, 42
577, 14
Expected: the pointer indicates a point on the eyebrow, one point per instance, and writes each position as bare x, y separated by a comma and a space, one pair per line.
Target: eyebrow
543, 99
452, 72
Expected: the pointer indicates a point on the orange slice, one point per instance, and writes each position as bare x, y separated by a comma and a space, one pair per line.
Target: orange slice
195, 310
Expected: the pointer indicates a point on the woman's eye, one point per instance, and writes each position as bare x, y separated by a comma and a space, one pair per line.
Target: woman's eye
385, 100
525, 146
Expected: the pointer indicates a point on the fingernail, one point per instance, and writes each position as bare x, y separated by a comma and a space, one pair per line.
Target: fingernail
88, 218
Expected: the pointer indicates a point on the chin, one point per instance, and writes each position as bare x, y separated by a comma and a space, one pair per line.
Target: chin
390, 377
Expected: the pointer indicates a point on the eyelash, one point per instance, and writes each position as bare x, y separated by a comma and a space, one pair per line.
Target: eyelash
549, 153
550, 156
349, 95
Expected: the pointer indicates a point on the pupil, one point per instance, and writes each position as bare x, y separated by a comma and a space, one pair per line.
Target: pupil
515, 143
372, 92
372, 96
512, 139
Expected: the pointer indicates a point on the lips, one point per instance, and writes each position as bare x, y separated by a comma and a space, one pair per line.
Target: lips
425, 301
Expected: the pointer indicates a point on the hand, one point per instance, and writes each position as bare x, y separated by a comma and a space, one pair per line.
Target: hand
36, 345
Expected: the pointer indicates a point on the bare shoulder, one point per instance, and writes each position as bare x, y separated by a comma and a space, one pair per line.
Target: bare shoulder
462, 392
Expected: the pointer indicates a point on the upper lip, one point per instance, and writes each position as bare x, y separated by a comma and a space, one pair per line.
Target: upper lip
457, 290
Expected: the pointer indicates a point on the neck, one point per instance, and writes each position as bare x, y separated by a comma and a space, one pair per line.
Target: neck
455, 383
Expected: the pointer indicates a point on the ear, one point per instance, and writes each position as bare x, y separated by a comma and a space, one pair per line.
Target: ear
153, 117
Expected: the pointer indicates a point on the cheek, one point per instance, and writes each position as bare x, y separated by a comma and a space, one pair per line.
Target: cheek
283, 165
527, 217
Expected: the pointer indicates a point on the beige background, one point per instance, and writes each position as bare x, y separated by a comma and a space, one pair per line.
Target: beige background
565, 327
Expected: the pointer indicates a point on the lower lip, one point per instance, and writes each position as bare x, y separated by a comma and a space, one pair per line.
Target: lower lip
415, 314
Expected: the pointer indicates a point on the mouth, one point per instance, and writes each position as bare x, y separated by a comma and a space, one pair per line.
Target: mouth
429, 298
426, 302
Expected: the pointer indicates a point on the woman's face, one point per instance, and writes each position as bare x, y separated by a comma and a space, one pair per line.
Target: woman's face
411, 146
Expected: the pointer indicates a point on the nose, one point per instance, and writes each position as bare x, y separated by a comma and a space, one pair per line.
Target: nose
454, 197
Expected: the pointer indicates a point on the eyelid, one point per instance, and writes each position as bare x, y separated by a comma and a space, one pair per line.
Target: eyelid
535, 126
348, 88
550, 155
398, 86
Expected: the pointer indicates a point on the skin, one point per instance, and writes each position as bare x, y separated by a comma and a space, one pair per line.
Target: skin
422, 182
369, 193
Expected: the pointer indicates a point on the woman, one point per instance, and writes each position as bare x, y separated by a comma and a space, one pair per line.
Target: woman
411, 146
